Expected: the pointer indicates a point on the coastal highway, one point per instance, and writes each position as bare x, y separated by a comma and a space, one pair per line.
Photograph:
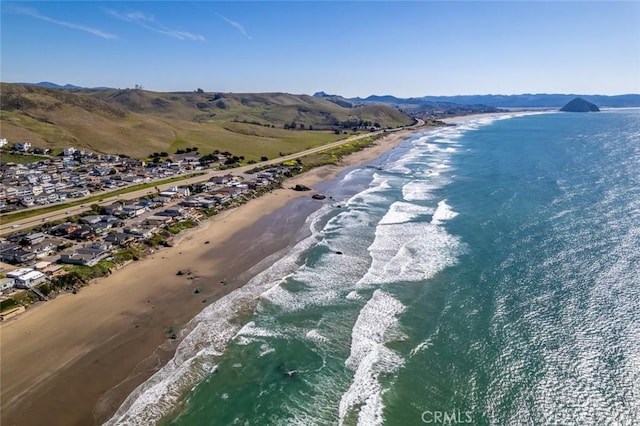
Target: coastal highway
7, 228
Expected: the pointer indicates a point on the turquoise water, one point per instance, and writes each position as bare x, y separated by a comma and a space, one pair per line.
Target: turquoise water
486, 273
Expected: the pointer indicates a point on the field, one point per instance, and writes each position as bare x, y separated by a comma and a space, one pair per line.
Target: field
138, 122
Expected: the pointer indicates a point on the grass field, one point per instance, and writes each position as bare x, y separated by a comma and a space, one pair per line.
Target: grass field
138, 122
11, 157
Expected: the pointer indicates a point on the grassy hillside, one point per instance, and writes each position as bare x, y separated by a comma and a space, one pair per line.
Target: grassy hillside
138, 122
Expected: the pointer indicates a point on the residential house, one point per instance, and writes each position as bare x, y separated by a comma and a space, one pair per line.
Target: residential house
64, 229
174, 212
26, 277
84, 256
34, 238
22, 146
133, 210
121, 239
159, 220
44, 248
113, 208
82, 232
6, 283
90, 220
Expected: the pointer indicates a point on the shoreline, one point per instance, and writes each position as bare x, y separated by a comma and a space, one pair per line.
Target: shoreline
91, 349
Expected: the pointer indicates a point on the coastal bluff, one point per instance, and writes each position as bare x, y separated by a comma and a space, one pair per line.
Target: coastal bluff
580, 105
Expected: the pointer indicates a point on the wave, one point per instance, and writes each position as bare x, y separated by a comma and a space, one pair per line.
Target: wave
443, 213
369, 358
414, 251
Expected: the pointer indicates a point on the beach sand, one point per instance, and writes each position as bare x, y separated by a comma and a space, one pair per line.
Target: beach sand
72, 361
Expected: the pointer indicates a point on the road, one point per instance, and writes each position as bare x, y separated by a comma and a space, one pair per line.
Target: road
76, 210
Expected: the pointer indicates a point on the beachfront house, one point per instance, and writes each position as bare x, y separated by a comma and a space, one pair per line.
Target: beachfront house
7, 283
86, 256
26, 277
121, 239
158, 220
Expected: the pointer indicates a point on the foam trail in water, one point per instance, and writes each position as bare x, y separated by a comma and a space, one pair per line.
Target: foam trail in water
370, 357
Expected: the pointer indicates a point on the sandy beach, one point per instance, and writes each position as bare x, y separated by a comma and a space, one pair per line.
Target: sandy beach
72, 361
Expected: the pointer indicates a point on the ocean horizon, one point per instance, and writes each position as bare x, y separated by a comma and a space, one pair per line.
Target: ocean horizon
483, 273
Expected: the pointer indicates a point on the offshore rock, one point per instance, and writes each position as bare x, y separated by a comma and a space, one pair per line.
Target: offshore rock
580, 105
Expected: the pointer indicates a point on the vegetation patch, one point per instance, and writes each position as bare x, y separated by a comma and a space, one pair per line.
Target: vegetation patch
12, 157
181, 226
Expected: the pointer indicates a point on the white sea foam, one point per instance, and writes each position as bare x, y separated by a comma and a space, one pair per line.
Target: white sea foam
314, 335
353, 295
420, 347
401, 212
418, 190
265, 349
370, 357
414, 251
250, 333
443, 213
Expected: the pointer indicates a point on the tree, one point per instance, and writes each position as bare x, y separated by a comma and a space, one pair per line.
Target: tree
200, 90
264, 158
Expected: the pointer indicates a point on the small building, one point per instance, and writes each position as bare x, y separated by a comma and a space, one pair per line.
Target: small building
121, 238
26, 277
86, 257
158, 220
7, 283
34, 238
113, 208
22, 146
133, 210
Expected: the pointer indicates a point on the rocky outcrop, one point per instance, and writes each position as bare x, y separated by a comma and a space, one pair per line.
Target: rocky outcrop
580, 105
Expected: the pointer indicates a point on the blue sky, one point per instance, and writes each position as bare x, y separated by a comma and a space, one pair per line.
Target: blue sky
353, 48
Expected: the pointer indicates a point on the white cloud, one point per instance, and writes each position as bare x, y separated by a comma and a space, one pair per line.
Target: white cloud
235, 25
35, 14
150, 23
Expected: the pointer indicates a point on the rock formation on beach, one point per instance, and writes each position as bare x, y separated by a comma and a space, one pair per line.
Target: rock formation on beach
580, 105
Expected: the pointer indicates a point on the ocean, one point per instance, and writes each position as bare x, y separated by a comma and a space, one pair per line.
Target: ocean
485, 273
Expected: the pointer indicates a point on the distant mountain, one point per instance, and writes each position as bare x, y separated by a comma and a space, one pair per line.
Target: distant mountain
423, 108
580, 105
540, 100
50, 85
442, 106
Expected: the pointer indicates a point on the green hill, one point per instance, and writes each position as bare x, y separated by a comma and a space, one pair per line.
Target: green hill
138, 122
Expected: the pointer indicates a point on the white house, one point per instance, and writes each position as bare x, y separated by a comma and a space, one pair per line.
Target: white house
3, 142
6, 283
26, 277
22, 146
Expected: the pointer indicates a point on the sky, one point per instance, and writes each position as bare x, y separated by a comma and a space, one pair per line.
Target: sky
355, 48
